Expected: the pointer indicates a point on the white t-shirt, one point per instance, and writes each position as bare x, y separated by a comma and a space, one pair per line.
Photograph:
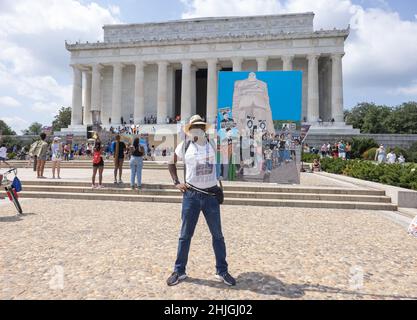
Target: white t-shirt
268, 154
391, 157
200, 162
3, 152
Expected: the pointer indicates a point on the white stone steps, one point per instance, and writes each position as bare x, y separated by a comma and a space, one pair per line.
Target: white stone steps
228, 194
227, 187
228, 201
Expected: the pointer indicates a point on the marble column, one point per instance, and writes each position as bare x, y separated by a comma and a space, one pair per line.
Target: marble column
313, 89
96, 93
287, 63
337, 88
76, 112
87, 99
186, 90
211, 90
194, 90
77, 99
116, 111
262, 63
162, 103
139, 107
237, 63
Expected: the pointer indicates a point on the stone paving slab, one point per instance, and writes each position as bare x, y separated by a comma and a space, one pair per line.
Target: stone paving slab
63, 249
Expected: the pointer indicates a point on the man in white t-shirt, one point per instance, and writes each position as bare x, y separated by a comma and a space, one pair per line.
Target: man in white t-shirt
3, 154
199, 188
391, 157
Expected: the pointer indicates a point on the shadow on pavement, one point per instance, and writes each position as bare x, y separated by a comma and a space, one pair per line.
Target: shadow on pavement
268, 285
10, 219
15, 218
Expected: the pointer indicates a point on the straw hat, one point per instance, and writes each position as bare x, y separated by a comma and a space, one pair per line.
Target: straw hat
195, 120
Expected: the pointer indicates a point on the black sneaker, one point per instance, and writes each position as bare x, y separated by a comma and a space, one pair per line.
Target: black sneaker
226, 278
175, 278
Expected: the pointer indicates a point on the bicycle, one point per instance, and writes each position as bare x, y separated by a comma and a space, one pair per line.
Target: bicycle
10, 190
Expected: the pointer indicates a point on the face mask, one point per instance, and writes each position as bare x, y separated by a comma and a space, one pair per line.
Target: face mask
197, 133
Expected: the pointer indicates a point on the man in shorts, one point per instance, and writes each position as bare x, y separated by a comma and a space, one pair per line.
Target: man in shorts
3, 155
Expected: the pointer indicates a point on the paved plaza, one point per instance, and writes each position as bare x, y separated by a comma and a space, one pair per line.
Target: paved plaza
158, 176
68, 249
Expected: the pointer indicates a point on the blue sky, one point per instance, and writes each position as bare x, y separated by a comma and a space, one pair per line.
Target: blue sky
380, 64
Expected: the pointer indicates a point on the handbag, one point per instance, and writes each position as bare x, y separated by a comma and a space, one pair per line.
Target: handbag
219, 194
97, 157
16, 184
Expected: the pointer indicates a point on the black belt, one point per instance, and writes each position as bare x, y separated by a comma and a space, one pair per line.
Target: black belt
205, 191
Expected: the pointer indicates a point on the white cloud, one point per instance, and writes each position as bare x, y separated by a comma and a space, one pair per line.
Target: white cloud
9, 102
46, 107
16, 123
329, 13
41, 16
213, 8
410, 90
33, 59
384, 48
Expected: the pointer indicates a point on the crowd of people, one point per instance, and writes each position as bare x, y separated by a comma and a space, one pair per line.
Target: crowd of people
281, 149
96, 151
382, 156
339, 149
134, 129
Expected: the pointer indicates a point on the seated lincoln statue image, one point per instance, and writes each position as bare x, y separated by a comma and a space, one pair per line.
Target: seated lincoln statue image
251, 101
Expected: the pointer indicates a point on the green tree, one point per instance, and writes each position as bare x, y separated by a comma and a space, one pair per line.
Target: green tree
62, 119
403, 119
9, 141
412, 153
369, 117
34, 129
5, 129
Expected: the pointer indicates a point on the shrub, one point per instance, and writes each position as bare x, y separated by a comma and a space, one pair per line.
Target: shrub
404, 176
369, 154
365, 170
333, 165
412, 157
11, 155
309, 157
361, 144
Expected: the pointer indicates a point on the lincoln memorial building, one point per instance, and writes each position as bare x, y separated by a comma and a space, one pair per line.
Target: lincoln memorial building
171, 68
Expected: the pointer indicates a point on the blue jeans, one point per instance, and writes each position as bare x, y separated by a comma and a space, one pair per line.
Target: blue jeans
269, 164
136, 165
194, 202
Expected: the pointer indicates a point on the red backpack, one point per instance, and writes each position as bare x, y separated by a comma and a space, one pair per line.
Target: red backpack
97, 157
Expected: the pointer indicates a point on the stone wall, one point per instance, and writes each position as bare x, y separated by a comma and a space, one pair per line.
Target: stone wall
210, 28
388, 140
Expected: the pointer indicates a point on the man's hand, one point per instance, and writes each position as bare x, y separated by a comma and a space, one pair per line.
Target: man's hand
182, 187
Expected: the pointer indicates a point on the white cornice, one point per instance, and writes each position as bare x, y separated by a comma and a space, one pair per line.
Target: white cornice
225, 39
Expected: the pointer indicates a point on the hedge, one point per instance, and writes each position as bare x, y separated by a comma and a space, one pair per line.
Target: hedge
309, 157
399, 175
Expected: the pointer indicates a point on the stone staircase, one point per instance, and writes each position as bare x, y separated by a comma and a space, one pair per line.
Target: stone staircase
87, 164
235, 194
